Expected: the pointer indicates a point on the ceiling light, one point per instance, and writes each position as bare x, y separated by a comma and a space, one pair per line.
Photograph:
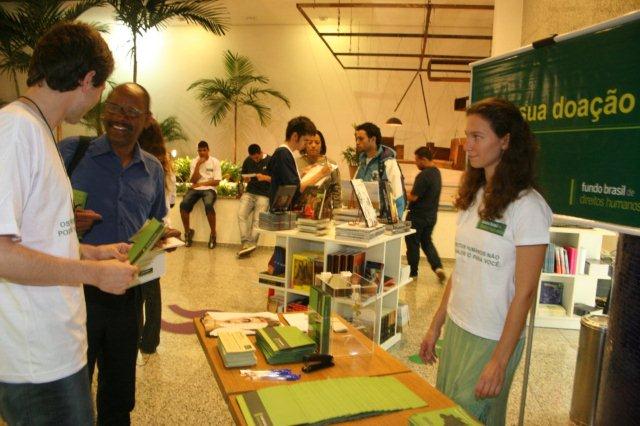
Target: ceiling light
394, 121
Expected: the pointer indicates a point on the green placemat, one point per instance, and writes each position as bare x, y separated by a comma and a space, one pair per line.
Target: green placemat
322, 401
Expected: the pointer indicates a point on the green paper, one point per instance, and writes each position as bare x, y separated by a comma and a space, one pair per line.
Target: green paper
447, 416
79, 199
322, 401
415, 358
145, 239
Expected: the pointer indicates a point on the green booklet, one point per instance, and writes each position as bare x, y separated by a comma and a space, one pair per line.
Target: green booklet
320, 318
284, 344
79, 199
145, 239
456, 416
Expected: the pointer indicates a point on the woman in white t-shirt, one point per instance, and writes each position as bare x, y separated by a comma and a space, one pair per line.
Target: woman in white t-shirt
501, 237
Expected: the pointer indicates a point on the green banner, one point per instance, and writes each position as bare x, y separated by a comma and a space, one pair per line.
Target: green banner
581, 98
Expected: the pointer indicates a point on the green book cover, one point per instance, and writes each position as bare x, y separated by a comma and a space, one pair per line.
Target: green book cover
79, 199
327, 401
320, 318
284, 344
145, 239
447, 416
285, 337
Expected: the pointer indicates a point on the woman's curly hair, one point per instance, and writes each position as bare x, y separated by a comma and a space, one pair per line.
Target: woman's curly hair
516, 170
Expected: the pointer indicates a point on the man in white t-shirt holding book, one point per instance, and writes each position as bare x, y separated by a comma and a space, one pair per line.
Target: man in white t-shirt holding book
206, 174
43, 337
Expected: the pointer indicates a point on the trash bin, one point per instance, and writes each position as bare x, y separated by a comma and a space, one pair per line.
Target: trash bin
593, 333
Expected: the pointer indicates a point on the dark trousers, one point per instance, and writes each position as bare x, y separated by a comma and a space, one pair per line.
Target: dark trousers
112, 329
422, 238
150, 327
64, 402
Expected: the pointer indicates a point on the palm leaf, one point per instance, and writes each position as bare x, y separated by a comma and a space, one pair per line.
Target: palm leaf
255, 92
206, 14
172, 129
217, 107
263, 111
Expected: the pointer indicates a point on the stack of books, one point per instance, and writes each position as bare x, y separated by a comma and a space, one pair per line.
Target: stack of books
314, 226
346, 215
269, 279
305, 265
398, 227
284, 344
236, 349
347, 259
564, 260
359, 232
277, 221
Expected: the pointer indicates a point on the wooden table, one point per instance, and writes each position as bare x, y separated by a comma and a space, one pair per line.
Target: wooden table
434, 399
377, 363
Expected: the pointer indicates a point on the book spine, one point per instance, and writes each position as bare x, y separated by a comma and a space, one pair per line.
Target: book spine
572, 254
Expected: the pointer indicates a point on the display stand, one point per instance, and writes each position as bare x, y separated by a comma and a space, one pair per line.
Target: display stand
577, 288
385, 249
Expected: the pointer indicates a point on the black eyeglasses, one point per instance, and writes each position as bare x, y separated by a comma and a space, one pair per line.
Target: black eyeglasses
127, 111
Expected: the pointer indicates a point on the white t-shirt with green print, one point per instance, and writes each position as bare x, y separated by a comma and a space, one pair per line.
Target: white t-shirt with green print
484, 275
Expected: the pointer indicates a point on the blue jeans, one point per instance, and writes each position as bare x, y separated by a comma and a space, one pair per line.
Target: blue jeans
251, 205
62, 402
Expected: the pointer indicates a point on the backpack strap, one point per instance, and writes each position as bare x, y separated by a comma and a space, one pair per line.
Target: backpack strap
388, 153
81, 149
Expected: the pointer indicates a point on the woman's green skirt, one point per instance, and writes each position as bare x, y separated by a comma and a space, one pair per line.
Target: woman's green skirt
463, 358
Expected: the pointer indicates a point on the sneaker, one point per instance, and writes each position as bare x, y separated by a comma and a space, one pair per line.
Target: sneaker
442, 277
413, 274
246, 249
188, 237
212, 241
242, 247
142, 358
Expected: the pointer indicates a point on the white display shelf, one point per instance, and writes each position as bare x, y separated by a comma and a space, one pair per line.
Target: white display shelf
577, 288
386, 249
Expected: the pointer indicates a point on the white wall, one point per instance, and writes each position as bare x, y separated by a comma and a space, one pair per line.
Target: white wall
542, 18
507, 26
298, 64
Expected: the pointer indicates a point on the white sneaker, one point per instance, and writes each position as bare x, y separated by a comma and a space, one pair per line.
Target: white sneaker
247, 249
142, 359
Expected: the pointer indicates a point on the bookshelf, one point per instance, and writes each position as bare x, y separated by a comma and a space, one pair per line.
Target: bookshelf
385, 248
577, 288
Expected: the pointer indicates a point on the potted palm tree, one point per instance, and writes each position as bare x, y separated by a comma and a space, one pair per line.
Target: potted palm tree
240, 87
350, 156
23, 25
142, 15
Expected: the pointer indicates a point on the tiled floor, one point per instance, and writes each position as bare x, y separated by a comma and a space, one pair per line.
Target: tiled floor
176, 386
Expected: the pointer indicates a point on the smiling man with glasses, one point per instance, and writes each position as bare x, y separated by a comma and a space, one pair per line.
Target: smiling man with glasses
124, 185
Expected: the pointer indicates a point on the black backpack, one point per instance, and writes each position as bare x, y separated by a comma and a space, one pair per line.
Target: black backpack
81, 149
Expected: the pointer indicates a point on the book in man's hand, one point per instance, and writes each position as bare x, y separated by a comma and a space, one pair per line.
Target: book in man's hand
145, 239
79, 199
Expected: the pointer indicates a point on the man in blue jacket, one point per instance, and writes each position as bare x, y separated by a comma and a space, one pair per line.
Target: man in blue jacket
378, 163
